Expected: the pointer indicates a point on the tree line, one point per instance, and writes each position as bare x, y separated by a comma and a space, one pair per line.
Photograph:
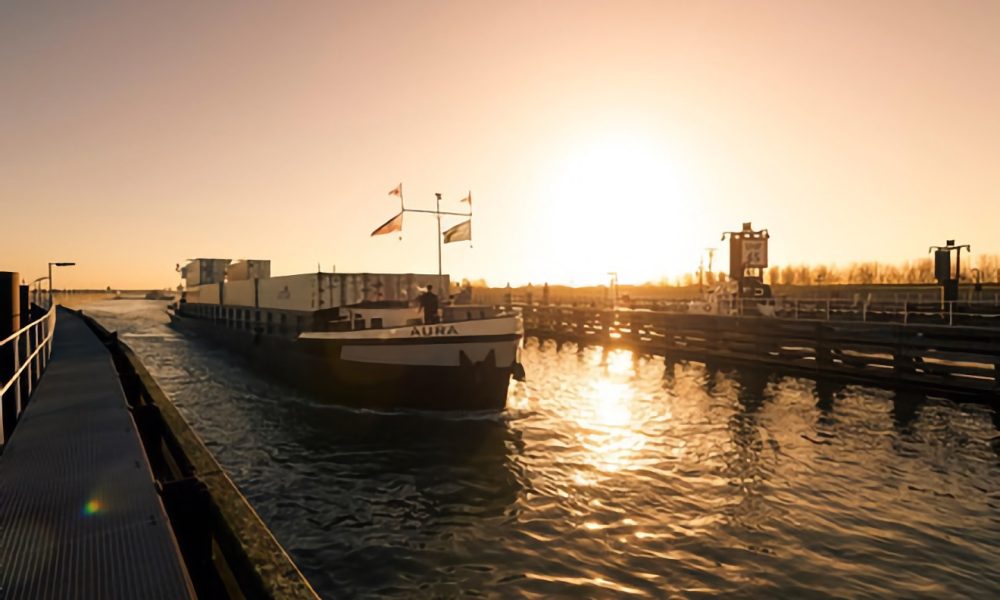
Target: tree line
985, 267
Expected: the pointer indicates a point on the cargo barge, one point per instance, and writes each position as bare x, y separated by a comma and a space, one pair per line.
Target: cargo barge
355, 339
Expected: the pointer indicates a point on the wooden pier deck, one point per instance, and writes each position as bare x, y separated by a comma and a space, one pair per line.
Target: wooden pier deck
933, 357
79, 514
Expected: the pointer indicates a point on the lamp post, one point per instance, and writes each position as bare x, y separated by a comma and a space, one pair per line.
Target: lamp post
701, 267
56, 264
38, 289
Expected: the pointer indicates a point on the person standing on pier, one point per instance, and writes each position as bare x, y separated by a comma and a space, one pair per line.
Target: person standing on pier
429, 305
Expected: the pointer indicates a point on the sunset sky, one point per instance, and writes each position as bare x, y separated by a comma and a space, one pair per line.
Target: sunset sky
594, 136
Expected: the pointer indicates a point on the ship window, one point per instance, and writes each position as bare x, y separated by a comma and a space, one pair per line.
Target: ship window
376, 323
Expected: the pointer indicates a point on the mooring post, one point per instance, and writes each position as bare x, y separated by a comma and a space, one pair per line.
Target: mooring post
10, 321
23, 348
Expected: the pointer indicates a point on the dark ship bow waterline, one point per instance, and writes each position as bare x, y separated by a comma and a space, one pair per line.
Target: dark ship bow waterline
353, 339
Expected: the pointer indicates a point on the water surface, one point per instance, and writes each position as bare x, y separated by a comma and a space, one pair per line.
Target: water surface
610, 475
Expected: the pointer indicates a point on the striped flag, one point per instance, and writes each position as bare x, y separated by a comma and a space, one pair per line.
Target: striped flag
393, 224
459, 233
397, 191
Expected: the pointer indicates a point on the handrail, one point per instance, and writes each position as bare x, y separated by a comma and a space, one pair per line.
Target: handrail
989, 300
33, 356
947, 313
18, 333
27, 360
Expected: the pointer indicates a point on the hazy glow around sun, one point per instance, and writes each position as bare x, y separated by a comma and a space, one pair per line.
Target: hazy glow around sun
618, 202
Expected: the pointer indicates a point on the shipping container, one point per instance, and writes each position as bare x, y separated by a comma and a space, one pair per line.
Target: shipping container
203, 294
248, 269
289, 292
319, 291
201, 271
240, 293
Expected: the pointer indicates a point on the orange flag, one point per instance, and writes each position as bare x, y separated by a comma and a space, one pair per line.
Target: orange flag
393, 224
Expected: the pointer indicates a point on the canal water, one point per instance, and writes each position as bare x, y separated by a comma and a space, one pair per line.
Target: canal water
610, 475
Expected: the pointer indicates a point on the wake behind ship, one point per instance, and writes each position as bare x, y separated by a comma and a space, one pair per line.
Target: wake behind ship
354, 338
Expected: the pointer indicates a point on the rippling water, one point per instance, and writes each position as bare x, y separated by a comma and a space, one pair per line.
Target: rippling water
610, 475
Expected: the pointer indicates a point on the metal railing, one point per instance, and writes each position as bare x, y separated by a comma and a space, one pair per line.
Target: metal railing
952, 313
28, 351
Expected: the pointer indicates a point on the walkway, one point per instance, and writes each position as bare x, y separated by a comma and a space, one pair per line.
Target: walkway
79, 515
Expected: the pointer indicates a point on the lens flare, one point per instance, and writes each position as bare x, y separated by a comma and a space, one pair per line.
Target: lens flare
92, 507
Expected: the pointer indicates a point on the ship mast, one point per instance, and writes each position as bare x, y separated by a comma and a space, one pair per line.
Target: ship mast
440, 243
437, 212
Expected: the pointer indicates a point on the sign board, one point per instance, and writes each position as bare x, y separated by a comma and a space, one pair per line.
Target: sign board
942, 265
754, 253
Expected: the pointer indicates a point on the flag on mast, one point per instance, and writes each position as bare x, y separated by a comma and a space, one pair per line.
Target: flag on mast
393, 224
467, 199
459, 233
397, 191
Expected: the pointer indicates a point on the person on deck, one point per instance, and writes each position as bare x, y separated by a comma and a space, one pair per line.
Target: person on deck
429, 305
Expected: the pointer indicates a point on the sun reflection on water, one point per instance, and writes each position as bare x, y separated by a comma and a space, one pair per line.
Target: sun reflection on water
609, 426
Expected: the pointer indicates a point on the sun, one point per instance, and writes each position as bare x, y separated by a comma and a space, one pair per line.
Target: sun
618, 203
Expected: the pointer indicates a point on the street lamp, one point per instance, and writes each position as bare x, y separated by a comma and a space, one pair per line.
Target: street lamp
38, 289
701, 267
56, 264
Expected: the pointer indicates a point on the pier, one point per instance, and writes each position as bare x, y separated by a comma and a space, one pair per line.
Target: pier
105, 491
944, 348
80, 515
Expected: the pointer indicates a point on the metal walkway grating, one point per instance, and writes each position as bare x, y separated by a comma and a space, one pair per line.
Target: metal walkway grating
79, 516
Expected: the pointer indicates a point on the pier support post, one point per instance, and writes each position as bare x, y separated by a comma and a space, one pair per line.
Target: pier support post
824, 356
606, 320
996, 377
903, 362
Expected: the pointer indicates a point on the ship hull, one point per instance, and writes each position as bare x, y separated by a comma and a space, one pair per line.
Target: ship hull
458, 373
